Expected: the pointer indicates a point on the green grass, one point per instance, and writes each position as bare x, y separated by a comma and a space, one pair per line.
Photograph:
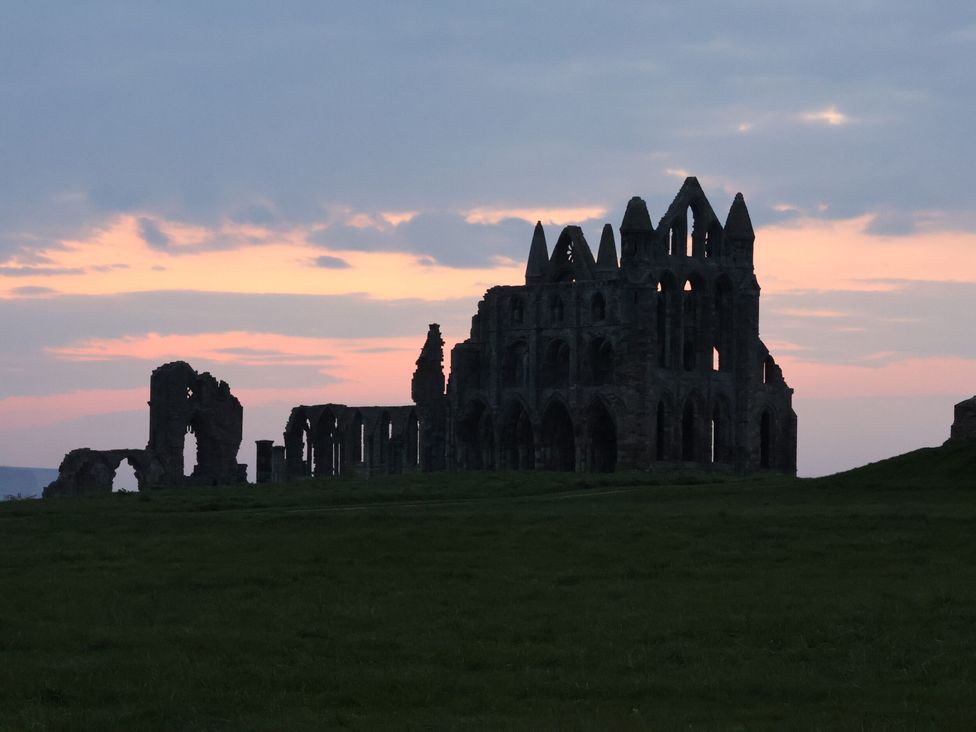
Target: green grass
500, 601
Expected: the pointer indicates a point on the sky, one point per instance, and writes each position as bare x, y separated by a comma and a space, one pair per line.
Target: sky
285, 194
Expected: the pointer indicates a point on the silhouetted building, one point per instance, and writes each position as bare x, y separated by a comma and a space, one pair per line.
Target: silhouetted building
590, 365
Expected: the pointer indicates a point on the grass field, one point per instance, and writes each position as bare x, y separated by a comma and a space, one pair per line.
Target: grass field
500, 601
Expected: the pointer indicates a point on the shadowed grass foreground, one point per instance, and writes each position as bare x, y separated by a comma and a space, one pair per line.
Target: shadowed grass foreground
499, 601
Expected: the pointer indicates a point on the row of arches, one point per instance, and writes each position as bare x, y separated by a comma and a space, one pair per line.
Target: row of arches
682, 319
559, 439
694, 323
519, 440
699, 228
332, 440
556, 309
555, 369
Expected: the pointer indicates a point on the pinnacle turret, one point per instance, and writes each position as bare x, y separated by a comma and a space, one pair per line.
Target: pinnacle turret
535, 270
606, 260
738, 225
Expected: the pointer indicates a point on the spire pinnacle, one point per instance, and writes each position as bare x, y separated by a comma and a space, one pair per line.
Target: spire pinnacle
538, 262
636, 218
739, 225
606, 260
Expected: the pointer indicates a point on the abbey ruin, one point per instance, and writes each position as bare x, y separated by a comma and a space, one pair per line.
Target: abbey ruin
652, 361
181, 401
594, 364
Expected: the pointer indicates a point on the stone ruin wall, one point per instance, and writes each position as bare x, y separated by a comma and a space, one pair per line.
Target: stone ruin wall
964, 421
180, 401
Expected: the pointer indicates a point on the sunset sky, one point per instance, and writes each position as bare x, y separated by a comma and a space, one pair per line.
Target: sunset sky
285, 194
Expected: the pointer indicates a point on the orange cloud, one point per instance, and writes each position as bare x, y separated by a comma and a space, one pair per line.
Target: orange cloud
22, 412
812, 254
362, 370
913, 376
260, 262
830, 116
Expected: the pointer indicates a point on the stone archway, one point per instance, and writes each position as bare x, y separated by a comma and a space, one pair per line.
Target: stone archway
477, 437
558, 438
601, 439
517, 438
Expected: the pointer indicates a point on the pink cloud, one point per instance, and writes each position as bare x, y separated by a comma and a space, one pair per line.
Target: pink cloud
913, 376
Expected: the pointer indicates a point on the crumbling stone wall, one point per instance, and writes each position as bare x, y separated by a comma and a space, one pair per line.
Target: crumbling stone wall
330, 440
964, 420
180, 400
92, 471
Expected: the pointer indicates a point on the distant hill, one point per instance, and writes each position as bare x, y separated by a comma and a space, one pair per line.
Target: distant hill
952, 464
26, 482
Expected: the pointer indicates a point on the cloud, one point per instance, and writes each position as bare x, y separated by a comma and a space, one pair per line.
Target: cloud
899, 320
448, 239
151, 234
29, 271
328, 262
33, 291
829, 116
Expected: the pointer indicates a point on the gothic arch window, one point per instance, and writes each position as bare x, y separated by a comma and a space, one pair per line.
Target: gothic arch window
515, 367
598, 307
724, 323
517, 311
555, 366
601, 361
666, 287
689, 317
556, 309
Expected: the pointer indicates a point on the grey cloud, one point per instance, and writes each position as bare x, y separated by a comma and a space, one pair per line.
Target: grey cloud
917, 319
444, 238
31, 271
205, 123
151, 234
328, 262
33, 291
892, 223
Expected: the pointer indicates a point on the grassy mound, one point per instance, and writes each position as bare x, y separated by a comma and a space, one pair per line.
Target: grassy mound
952, 464
493, 601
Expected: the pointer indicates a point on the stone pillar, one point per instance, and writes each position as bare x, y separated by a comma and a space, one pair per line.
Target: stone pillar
278, 464
262, 462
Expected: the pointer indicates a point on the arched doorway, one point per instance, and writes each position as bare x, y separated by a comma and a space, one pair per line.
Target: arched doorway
601, 434
558, 438
517, 439
477, 437
721, 432
327, 446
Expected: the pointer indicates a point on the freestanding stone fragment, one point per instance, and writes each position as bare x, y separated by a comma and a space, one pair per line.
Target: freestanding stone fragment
180, 401
964, 420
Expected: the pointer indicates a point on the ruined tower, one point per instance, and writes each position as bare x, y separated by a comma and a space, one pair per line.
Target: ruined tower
657, 360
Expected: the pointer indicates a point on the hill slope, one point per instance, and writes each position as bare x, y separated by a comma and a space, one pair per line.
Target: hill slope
946, 466
26, 482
